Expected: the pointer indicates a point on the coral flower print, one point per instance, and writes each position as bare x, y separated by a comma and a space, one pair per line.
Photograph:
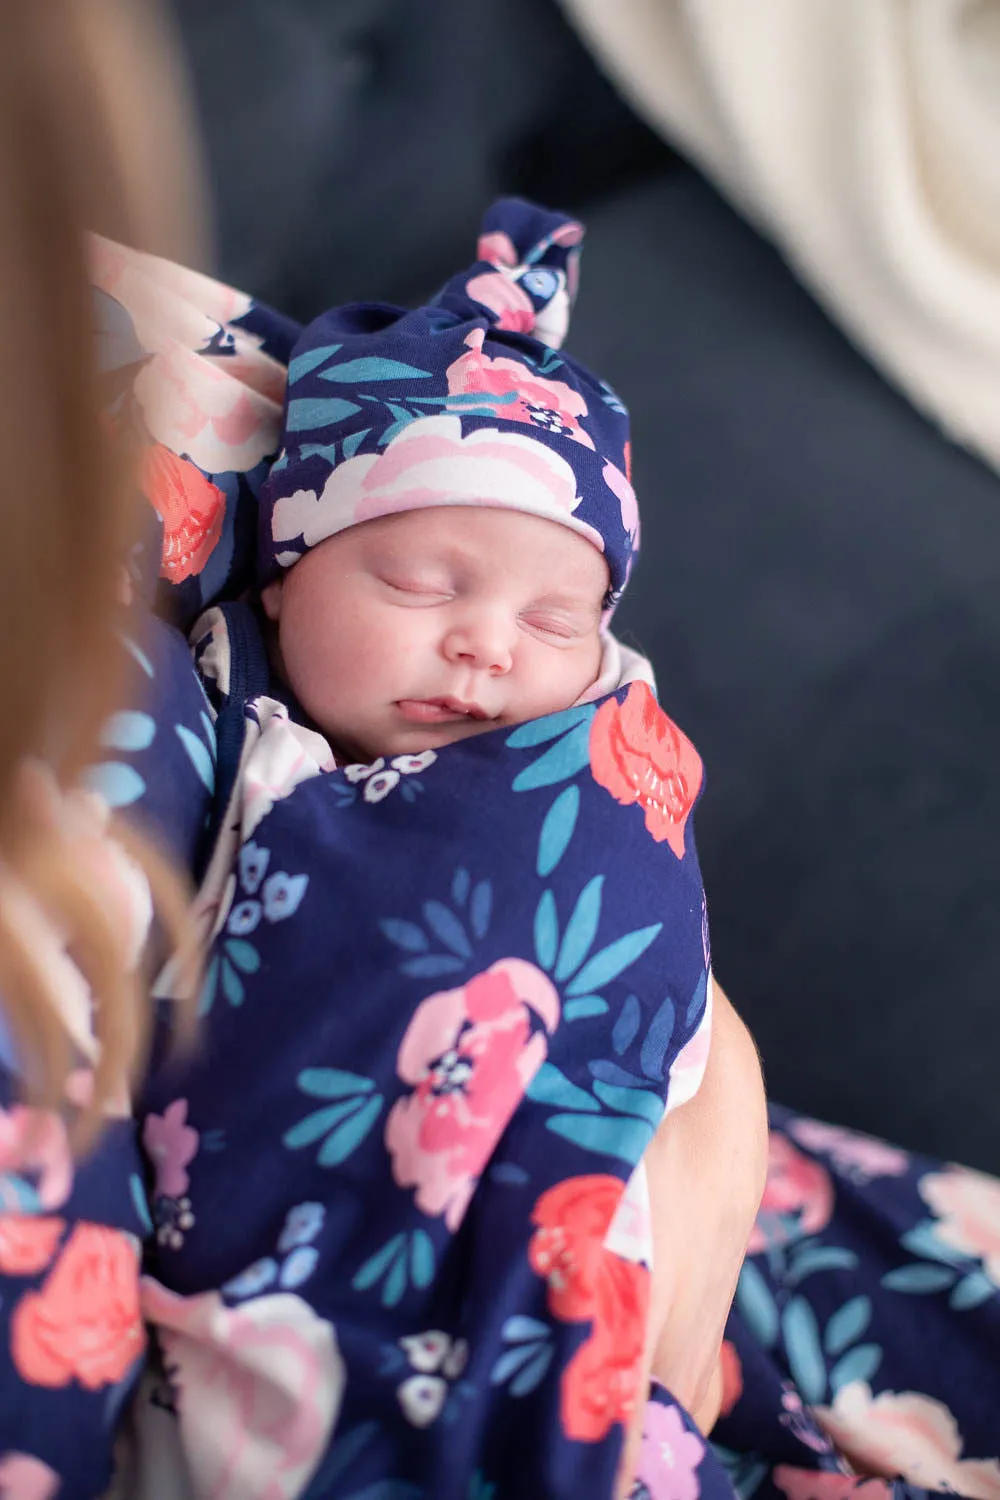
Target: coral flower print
670, 1454
967, 1207
468, 1054
858, 1156
27, 1243
513, 307
589, 1282
798, 1197
519, 395
272, 1376
639, 755
909, 1435
84, 1324
191, 508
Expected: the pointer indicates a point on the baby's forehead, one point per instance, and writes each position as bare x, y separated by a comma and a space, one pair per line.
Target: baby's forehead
498, 537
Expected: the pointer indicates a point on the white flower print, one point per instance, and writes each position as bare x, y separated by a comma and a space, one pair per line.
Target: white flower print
381, 785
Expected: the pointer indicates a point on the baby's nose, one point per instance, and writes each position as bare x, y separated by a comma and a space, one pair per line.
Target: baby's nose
483, 641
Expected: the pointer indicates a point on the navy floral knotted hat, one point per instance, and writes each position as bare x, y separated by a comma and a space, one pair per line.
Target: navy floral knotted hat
466, 401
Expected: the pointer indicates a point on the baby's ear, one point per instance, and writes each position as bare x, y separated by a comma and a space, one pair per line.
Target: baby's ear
270, 598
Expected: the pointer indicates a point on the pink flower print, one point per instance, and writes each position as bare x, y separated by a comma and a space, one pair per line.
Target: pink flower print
670, 1455
431, 462
797, 1190
966, 1205
468, 1054
497, 247
625, 495
816, 1484
33, 1144
259, 1389
23, 1477
519, 395
861, 1157
513, 307
907, 1435
172, 1144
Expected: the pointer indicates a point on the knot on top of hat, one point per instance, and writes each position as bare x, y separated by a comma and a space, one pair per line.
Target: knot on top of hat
526, 275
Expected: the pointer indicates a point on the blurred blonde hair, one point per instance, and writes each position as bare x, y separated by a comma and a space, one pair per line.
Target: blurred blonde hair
93, 135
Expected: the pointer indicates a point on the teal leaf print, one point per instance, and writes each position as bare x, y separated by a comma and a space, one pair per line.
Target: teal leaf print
374, 368
557, 830
316, 1125
137, 654
207, 997
395, 1283
627, 1025
371, 1273
139, 1203
129, 730
509, 1361
518, 1328
581, 929
971, 1291
353, 441
447, 928
641, 1102
243, 954
922, 1239
585, 1006
319, 411
847, 1325
805, 1357
198, 755
609, 1072
541, 731
550, 1086
421, 1258
303, 363
860, 1364
431, 965
118, 784
697, 1004
919, 1279
825, 1258
481, 908
405, 935
332, 1083
460, 885
625, 1137
562, 760
652, 1058
232, 984
546, 930
613, 960
347, 1137
757, 1306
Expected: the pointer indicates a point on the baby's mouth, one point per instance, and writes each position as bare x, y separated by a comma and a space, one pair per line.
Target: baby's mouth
440, 710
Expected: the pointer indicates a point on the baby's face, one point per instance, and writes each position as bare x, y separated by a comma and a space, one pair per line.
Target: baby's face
409, 632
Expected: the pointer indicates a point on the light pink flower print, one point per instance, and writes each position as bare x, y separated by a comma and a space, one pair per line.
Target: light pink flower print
966, 1205
497, 247
259, 1389
670, 1455
23, 1477
625, 495
469, 1054
817, 1484
860, 1157
172, 1144
798, 1197
431, 463
33, 1144
906, 1435
513, 307
536, 400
